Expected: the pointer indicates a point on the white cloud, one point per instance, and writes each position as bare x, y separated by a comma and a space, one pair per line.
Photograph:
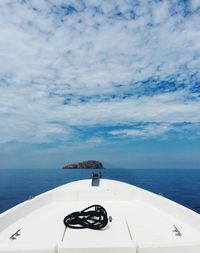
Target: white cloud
194, 4
147, 131
47, 57
161, 11
168, 107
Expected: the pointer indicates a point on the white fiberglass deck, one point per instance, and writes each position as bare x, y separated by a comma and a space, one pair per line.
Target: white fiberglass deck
141, 222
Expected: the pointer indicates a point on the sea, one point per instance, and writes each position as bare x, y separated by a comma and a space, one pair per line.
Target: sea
179, 185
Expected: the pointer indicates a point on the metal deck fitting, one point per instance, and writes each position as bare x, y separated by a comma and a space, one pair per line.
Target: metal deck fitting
96, 178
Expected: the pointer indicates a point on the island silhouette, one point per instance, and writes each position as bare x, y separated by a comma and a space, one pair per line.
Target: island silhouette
89, 164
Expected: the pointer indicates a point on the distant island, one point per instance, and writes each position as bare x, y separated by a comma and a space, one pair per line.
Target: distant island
90, 164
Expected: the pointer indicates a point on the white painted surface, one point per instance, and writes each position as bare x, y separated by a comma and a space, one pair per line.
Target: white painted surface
143, 222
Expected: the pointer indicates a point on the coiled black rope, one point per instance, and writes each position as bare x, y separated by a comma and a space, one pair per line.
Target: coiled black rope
93, 217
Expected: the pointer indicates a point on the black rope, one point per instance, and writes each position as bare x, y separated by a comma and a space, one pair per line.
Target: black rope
93, 217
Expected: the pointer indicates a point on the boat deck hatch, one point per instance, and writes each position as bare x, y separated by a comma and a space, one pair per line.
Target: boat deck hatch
115, 238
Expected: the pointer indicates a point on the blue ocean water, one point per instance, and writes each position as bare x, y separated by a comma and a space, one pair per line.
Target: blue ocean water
182, 186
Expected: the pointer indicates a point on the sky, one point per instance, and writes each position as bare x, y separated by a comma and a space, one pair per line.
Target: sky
116, 81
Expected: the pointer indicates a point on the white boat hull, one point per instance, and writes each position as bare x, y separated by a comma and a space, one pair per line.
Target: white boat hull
142, 222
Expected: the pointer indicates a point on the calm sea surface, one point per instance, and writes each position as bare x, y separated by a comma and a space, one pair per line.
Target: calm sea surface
182, 186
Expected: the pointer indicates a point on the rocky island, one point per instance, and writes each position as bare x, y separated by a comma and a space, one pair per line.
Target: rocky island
90, 164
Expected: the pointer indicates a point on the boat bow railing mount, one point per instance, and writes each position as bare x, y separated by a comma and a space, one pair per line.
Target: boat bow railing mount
96, 176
